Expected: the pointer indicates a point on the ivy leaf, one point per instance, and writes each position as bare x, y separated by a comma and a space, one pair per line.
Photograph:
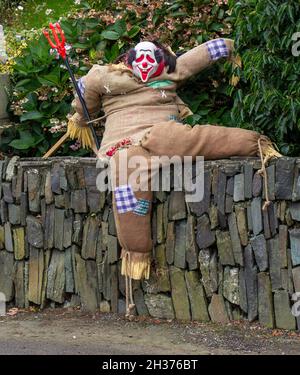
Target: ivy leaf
110, 35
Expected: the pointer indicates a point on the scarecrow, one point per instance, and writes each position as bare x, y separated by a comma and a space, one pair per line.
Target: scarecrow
144, 117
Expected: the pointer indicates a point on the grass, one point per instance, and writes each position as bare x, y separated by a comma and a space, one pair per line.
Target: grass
34, 13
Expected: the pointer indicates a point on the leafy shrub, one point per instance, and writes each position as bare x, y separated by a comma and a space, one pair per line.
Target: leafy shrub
268, 96
98, 32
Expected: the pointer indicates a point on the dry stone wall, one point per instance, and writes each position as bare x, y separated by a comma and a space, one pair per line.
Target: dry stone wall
220, 259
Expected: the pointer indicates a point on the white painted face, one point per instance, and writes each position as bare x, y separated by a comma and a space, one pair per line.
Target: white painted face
145, 64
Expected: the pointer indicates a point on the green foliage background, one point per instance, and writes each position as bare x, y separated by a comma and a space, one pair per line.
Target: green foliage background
266, 98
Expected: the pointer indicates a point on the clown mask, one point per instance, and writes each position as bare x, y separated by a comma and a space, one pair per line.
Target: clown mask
146, 61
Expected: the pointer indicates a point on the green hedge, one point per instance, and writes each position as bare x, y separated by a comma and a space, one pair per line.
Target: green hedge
268, 96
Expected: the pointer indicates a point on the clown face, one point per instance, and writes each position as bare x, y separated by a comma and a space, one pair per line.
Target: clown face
148, 61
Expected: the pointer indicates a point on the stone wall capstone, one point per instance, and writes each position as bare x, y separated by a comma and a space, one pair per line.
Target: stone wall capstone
219, 260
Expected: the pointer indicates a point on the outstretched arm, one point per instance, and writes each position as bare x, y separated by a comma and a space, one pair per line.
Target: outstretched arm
200, 57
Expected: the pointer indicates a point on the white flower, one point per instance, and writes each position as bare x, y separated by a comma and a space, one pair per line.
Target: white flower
20, 7
77, 2
48, 11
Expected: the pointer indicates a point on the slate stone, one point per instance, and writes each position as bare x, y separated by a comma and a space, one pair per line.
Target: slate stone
90, 175
275, 263
160, 230
69, 271
205, 236
79, 201
179, 294
87, 283
265, 300
106, 278
68, 229
11, 168
8, 238
197, 297
257, 185
199, 208
59, 220
213, 216
7, 192
208, 268
284, 178
19, 243
177, 206
14, 214
59, 201
112, 249
256, 215
48, 189
283, 312
2, 237
191, 246
221, 192
77, 230
56, 277
55, 178
49, 227
241, 220
283, 240
3, 211
180, 244
159, 306
273, 221
248, 176
296, 278
231, 285
170, 242
36, 271
230, 186
296, 187
95, 199
259, 246
251, 283
225, 249
91, 231
6, 275
217, 309
294, 209
24, 208
114, 288
295, 245
266, 224
18, 279
235, 239
105, 307
140, 304
239, 188
249, 217
34, 190
228, 204
243, 291
271, 183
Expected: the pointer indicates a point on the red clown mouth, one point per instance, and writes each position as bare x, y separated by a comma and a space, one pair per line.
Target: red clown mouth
145, 73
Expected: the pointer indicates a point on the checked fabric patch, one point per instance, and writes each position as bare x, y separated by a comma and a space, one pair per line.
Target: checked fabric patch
81, 86
125, 199
217, 49
142, 207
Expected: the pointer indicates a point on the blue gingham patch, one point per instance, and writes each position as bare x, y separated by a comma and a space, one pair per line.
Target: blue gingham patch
217, 48
125, 199
142, 207
81, 86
